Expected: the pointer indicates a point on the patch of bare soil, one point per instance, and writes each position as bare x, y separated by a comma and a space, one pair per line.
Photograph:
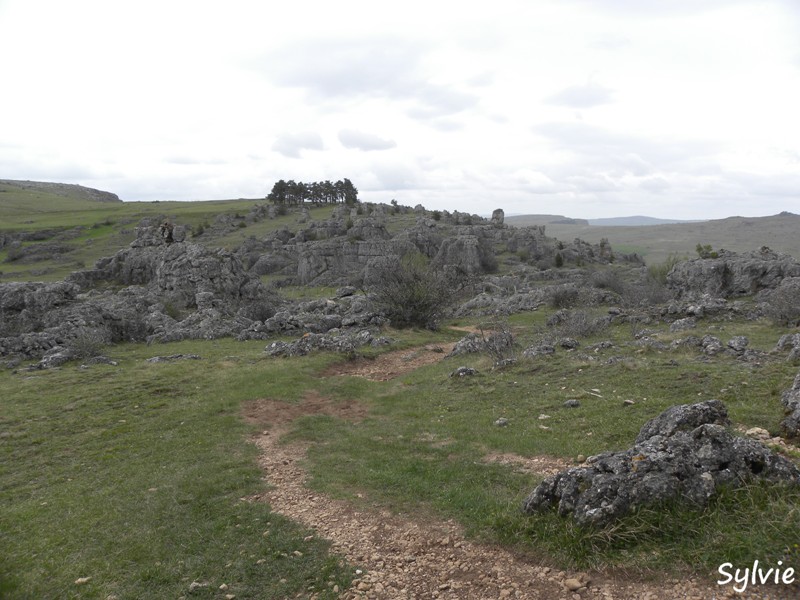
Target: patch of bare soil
405, 557
277, 414
539, 465
392, 364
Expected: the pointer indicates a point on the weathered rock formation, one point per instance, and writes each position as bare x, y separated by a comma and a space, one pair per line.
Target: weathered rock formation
684, 455
732, 274
148, 291
791, 402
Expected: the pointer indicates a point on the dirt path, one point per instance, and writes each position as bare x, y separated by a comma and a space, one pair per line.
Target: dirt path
410, 558
391, 364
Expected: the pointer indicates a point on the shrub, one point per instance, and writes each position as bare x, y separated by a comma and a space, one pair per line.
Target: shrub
89, 342
497, 340
660, 271
648, 292
706, 251
608, 279
410, 293
559, 260
564, 297
437, 215
575, 324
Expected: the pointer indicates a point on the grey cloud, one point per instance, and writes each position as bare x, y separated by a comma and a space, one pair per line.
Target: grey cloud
785, 185
657, 185
381, 67
351, 138
582, 96
596, 183
637, 155
44, 168
446, 125
290, 144
438, 101
395, 177
328, 68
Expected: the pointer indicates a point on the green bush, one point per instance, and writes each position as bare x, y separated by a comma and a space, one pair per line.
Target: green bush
410, 293
564, 297
660, 271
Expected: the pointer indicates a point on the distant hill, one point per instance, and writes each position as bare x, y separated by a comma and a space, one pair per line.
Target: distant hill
25, 202
526, 220
655, 242
65, 190
635, 221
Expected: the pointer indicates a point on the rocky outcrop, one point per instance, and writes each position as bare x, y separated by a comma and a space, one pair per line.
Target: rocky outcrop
732, 274
149, 291
683, 455
343, 342
791, 403
468, 253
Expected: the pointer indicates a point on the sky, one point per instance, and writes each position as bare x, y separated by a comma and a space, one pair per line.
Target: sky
680, 109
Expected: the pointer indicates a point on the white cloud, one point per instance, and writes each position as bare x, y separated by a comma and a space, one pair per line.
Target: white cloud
582, 96
290, 144
352, 138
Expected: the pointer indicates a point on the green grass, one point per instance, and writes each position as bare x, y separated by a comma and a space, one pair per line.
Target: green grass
421, 449
136, 476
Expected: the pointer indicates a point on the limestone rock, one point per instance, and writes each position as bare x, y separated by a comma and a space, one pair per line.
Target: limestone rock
732, 274
684, 453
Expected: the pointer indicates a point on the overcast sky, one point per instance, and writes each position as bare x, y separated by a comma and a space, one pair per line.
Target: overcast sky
587, 108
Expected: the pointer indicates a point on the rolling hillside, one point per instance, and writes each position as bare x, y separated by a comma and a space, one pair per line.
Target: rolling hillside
656, 242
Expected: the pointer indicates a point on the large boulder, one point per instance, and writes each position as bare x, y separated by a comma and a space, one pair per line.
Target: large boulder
684, 454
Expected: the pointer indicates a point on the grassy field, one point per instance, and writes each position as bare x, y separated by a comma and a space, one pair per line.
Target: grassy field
136, 475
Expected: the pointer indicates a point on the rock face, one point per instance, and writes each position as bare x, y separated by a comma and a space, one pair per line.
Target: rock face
683, 454
468, 253
176, 273
732, 274
791, 402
